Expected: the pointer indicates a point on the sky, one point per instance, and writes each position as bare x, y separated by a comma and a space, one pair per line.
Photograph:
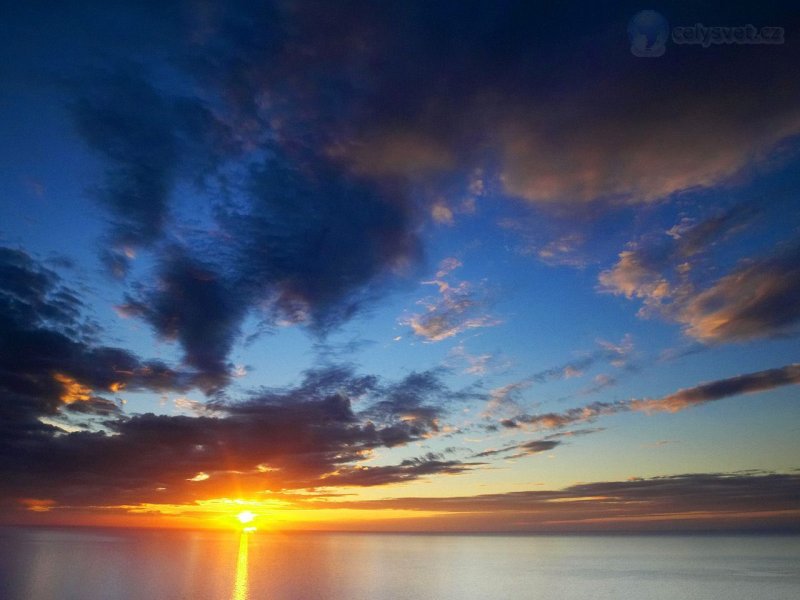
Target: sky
413, 266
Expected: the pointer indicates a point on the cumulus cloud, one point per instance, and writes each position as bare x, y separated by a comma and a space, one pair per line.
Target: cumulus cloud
624, 135
63, 438
50, 357
757, 298
391, 115
760, 298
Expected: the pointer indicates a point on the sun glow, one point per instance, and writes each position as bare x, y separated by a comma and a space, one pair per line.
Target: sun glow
246, 518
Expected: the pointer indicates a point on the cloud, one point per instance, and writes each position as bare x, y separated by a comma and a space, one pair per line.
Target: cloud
575, 156
417, 402
149, 140
625, 135
475, 364
562, 251
508, 396
194, 305
317, 241
755, 299
62, 440
522, 449
397, 153
458, 307
407, 470
314, 187
553, 420
717, 390
676, 502
50, 357
721, 389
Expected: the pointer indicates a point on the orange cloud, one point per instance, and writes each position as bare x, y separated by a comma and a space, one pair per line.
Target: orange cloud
460, 306
716, 390
397, 153
73, 391
38, 504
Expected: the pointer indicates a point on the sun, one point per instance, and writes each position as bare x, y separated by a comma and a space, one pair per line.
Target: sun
245, 517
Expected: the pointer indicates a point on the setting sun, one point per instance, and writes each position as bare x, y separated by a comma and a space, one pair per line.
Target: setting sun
417, 299
245, 517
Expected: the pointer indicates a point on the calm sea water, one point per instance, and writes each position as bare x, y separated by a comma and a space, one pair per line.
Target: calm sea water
40, 564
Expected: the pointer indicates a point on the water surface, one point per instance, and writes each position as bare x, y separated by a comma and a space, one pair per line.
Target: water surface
89, 564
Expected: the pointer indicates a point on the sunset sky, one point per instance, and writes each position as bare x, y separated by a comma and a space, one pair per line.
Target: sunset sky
451, 266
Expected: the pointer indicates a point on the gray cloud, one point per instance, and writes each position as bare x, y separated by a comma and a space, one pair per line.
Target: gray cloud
522, 449
721, 389
669, 503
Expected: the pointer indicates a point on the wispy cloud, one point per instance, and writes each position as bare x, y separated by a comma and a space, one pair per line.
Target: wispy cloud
757, 298
749, 383
459, 306
670, 503
522, 449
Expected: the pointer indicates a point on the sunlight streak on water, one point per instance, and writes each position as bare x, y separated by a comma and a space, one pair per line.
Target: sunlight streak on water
96, 564
240, 584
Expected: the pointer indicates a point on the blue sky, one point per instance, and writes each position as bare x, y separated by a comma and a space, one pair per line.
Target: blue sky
360, 255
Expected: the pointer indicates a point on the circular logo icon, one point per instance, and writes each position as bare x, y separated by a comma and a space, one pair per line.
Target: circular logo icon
648, 32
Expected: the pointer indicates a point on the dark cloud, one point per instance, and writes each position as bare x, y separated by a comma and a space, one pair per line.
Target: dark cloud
49, 354
760, 298
194, 305
325, 137
488, 87
316, 242
299, 437
147, 137
748, 383
407, 470
33, 294
418, 401
523, 449
691, 501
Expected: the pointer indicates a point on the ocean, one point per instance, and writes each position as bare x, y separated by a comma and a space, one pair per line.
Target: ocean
100, 564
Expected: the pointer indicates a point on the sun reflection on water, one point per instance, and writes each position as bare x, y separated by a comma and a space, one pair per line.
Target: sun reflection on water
240, 584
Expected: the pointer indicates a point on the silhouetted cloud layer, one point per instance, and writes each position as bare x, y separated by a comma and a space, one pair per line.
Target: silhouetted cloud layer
63, 437
50, 355
672, 503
